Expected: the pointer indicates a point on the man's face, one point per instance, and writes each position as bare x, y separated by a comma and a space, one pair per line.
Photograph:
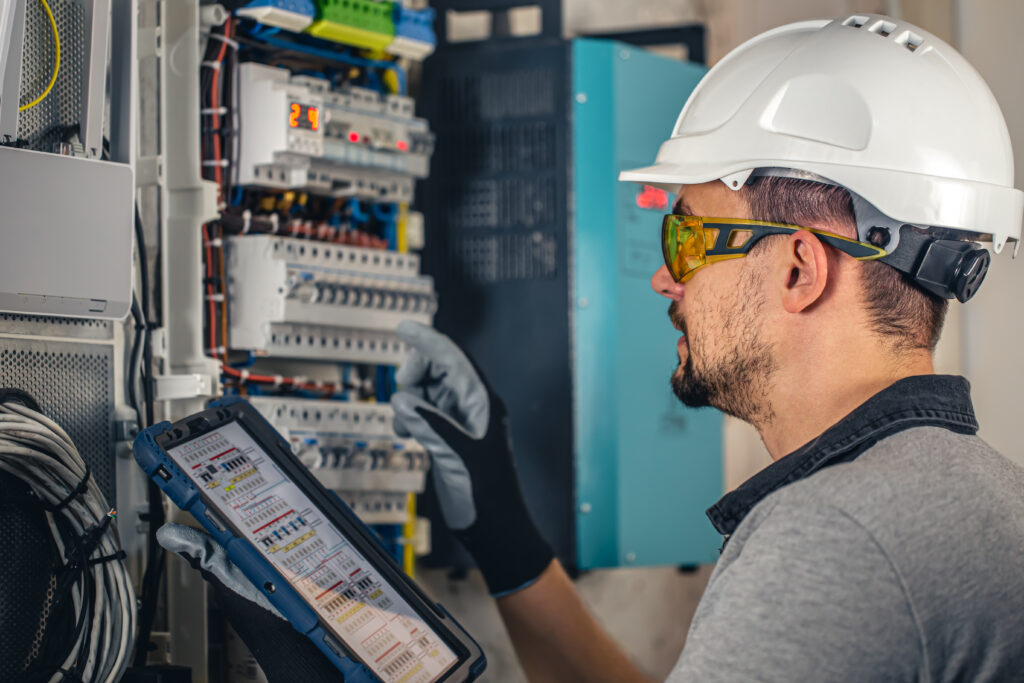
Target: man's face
725, 358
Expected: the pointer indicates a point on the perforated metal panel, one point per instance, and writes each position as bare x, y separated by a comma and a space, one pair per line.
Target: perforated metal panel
84, 328
73, 382
44, 124
496, 208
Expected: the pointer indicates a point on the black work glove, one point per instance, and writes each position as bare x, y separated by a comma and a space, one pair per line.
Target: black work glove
447, 406
284, 654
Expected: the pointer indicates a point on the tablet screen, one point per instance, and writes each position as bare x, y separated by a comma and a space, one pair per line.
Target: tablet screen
248, 490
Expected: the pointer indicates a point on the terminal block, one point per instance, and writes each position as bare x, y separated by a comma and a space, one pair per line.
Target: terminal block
298, 298
352, 449
414, 32
362, 23
298, 133
291, 15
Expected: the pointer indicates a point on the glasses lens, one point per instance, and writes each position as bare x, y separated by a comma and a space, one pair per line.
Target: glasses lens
682, 242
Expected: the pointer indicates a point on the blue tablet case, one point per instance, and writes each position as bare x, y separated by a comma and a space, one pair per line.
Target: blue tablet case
162, 469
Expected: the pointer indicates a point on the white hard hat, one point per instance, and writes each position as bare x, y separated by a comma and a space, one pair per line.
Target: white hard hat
876, 105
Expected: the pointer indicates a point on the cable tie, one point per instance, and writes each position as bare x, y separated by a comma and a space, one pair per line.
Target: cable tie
210, 64
209, 111
82, 487
275, 222
243, 376
119, 555
278, 380
233, 44
223, 163
215, 297
299, 380
246, 221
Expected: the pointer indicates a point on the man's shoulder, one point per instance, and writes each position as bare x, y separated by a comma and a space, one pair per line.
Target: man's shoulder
914, 470
926, 480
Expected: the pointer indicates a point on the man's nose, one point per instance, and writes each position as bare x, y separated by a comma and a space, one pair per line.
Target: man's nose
663, 284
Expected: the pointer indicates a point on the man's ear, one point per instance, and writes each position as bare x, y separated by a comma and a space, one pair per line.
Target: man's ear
802, 271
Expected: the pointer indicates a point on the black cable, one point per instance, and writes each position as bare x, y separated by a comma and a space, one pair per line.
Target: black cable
155, 512
134, 358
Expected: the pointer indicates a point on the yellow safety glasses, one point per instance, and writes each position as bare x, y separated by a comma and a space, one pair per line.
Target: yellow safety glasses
692, 242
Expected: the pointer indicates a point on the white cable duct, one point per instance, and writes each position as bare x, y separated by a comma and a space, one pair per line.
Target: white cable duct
39, 452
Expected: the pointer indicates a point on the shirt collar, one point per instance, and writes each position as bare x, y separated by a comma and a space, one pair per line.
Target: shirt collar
920, 401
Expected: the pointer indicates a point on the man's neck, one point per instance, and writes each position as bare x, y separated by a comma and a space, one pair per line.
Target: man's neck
808, 400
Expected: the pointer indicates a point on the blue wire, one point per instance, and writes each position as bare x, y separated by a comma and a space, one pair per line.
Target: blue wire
337, 57
236, 195
384, 211
356, 209
246, 363
261, 32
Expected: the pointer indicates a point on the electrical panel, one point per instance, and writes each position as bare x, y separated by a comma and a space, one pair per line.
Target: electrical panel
529, 221
296, 298
292, 149
308, 269
297, 132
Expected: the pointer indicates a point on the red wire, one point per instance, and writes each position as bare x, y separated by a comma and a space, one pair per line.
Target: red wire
209, 291
326, 387
214, 103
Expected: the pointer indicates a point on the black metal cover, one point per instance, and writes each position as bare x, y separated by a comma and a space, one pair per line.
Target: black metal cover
497, 219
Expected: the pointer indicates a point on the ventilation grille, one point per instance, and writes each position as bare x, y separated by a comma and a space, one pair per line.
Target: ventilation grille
74, 385
86, 328
506, 148
513, 94
510, 203
501, 258
45, 124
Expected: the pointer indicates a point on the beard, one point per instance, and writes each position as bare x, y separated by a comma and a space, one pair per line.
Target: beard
733, 376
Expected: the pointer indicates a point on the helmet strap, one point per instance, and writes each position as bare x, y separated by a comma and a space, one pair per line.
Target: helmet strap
946, 268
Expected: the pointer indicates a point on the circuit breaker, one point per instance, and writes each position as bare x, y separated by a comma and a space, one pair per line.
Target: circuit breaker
543, 262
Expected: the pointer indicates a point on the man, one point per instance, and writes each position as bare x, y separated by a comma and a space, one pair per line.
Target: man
829, 176
886, 541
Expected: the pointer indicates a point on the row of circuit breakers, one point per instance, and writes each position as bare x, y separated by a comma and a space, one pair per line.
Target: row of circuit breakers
301, 299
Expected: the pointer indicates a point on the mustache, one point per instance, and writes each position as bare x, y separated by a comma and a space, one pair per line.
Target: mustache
676, 316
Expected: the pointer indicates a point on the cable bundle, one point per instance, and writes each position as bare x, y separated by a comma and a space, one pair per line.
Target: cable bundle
93, 581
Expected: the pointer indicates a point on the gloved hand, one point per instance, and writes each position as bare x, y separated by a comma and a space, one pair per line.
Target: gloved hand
284, 654
446, 405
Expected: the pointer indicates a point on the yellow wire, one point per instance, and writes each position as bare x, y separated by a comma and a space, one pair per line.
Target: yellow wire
56, 60
408, 532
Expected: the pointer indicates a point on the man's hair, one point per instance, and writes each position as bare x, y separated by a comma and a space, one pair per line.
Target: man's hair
899, 310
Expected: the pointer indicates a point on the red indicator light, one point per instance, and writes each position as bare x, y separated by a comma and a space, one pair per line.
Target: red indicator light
402, 146
652, 198
353, 137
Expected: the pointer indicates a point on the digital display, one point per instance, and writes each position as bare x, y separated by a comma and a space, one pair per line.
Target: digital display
303, 116
247, 489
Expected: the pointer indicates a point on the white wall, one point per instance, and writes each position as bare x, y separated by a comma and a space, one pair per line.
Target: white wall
989, 34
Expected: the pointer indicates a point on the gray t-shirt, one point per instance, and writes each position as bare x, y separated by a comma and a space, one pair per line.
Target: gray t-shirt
906, 564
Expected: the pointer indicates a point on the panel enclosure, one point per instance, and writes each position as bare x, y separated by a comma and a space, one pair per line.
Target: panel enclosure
542, 261
646, 467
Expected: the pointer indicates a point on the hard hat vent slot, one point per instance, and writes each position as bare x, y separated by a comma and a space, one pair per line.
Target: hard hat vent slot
883, 28
856, 21
910, 40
